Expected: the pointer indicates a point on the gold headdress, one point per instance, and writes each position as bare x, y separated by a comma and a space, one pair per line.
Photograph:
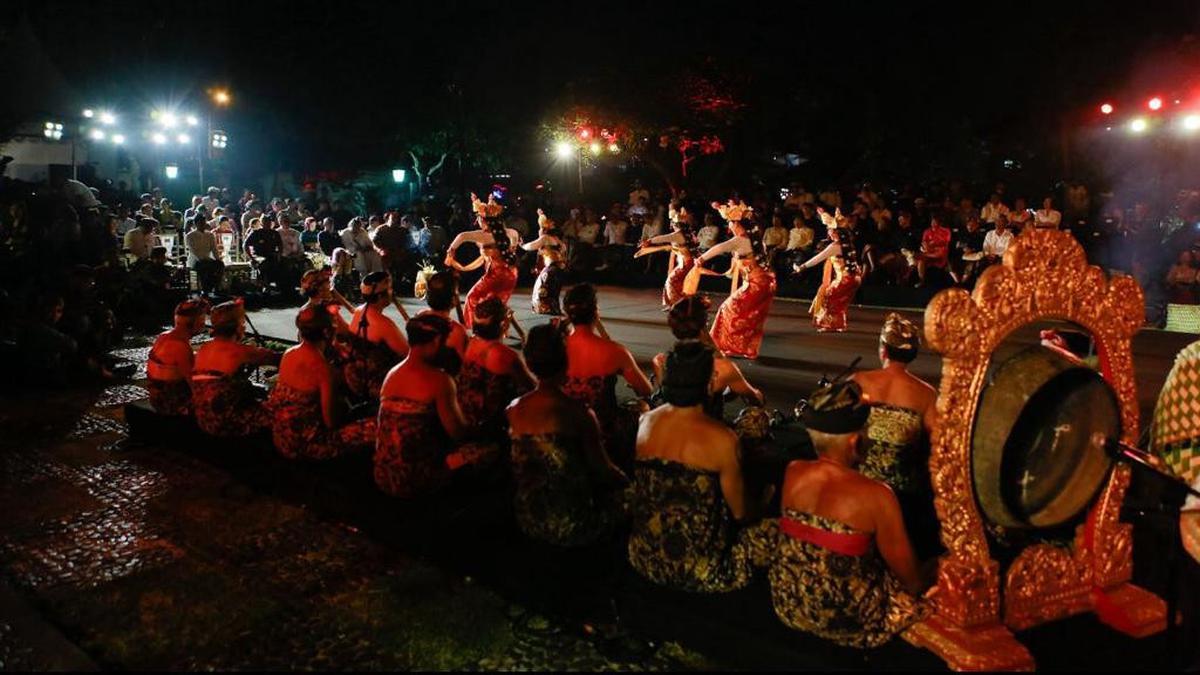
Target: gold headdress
488, 209
899, 332
733, 211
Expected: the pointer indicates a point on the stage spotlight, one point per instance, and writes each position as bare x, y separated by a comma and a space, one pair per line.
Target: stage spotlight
564, 150
585, 133
96, 134
221, 97
89, 113
158, 137
107, 117
1154, 103
168, 120
192, 120
1137, 125
1106, 108
1191, 122
183, 139
118, 139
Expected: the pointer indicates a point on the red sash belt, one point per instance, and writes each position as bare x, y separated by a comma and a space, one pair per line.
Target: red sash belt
845, 544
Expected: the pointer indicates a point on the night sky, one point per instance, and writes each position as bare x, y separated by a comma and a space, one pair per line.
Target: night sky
351, 83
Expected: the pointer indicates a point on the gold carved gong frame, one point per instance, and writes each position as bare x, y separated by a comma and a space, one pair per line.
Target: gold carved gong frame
1044, 275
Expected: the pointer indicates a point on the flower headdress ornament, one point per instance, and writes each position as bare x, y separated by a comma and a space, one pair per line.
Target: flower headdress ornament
733, 211
488, 209
835, 221
545, 221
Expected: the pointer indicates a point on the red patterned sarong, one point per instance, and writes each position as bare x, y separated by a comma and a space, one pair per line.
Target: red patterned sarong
833, 302
497, 282
673, 289
738, 328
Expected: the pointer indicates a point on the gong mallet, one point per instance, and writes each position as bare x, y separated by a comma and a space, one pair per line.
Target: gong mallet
400, 308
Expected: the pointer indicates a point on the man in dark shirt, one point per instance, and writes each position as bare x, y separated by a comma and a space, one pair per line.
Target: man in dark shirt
968, 247
328, 238
265, 244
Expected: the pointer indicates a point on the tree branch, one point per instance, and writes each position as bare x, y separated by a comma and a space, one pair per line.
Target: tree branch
438, 165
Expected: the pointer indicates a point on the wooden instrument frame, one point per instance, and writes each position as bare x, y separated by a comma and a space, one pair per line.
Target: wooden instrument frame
1044, 275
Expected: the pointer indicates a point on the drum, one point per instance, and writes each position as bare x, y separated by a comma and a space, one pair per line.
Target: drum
1037, 450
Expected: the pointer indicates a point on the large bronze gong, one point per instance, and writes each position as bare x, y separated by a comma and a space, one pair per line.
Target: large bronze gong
1034, 455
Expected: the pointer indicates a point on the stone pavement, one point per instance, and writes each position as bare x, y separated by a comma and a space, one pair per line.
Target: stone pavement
146, 558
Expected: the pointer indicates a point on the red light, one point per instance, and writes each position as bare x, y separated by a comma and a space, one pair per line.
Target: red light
1106, 108
1154, 103
585, 133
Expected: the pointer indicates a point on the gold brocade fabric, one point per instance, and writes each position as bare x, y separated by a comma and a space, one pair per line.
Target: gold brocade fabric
555, 500
1175, 434
853, 601
893, 445
683, 534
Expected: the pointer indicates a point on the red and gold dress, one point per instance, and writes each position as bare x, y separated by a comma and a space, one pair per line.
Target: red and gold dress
837, 291
673, 290
497, 282
738, 328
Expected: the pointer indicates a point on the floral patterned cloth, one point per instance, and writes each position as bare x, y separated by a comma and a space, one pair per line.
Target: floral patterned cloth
547, 290
852, 600
227, 406
673, 288
738, 328
298, 428
555, 500
365, 366
683, 533
483, 396
893, 448
170, 397
619, 425
410, 448
834, 297
497, 282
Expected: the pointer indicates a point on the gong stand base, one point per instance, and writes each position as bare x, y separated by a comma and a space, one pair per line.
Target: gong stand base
990, 647
1131, 610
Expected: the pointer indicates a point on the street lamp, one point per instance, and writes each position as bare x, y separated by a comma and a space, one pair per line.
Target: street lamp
172, 171
221, 97
398, 175
158, 137
118, 139
564, 150
183, 139
96, 134
53, 131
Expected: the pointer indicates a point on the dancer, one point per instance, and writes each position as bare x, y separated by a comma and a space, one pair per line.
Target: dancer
683, 247
738, 215
738, 329
548, 286
841, 278
497, 251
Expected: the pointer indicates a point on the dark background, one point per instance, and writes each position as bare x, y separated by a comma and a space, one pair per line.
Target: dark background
904, 89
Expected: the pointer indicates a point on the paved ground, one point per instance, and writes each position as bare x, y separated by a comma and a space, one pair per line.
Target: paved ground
793, 355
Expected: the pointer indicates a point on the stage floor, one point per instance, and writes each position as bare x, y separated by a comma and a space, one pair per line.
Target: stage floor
794, 355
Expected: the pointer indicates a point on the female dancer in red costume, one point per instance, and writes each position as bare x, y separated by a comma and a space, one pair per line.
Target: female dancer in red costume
841, 280
738, 328
497, 250
681, 242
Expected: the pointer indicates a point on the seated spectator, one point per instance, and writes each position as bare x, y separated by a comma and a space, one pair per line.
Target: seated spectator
308, 415
328, 238
169, 367
226, 403
841, 566
688, 491
991, 211
203, 256
968, 247
49, 356
775, 238
709, 234
595, 362
903, 414
935, 249
419, 416
441, 295
141, 240
492, 374
566, 484
996, 242
345, 278
1047, 217
688, 320
310, 237
1182, 280
1020, 216
800, 242
376, 342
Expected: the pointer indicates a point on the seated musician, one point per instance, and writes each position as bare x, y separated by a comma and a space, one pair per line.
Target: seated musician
441, 295
306, 405
841, 566
688, 491
492, 374
316, 286
902, 416
419, 416
688, 320
566, 485
226, 403
376, 342
169, 369
594, 363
